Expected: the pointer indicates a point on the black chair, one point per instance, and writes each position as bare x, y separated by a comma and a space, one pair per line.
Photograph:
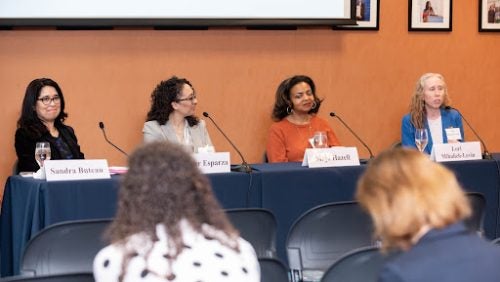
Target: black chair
258, 227
273, 270
496, 241
478, 204
323, 234
73, 277
66, 247
362, 264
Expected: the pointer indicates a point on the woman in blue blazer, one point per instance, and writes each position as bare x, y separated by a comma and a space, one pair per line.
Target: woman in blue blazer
418, 208
429, 109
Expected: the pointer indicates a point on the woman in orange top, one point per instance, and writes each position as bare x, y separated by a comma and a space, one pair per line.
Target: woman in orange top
296, 121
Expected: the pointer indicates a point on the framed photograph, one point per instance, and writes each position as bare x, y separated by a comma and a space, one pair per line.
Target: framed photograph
489, 15
367, 15
429, 15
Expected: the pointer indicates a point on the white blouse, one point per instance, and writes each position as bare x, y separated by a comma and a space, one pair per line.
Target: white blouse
201, 260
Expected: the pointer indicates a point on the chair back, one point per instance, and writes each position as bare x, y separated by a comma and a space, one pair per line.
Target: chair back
496, 241
66, 247
73, 277
362, 264
273, 270
323, 234
478, 205
258, 227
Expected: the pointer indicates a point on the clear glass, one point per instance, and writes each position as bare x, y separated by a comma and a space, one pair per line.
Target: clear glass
320, 140
421, 138
42, 152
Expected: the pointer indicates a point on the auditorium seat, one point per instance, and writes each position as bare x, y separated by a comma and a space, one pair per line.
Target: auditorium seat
258, 227
66, 247
323, 234
362, 264
273, 270
73, 277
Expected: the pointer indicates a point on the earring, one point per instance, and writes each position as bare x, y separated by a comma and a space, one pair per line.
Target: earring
289, 110
314, 105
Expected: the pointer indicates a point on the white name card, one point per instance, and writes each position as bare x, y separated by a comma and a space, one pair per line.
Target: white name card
213, 162
56, 170
450, 152
330, 157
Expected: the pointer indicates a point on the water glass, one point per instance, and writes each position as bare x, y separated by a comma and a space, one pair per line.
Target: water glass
320, 140
421, 138
42, 152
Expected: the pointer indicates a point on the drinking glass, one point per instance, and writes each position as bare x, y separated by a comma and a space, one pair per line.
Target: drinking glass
421, 138
42, 152
320, 140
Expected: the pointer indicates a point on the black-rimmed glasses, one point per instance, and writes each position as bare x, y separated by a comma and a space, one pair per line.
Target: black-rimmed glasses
190, 98
47, 100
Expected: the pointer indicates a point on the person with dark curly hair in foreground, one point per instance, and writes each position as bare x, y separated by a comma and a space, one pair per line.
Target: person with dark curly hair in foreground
170, 227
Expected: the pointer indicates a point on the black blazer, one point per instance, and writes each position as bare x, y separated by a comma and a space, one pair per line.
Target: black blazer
451, 254
25, 147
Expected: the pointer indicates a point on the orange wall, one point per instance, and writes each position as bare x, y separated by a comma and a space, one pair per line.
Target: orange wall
366, 77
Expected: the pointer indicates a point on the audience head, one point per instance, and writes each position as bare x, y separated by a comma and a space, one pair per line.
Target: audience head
430, 92
164, 185
43, 102
405, 192
173, 95
290, 95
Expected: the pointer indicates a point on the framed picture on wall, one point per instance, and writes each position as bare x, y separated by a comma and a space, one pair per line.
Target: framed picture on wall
489, 15
429, 15
367, 16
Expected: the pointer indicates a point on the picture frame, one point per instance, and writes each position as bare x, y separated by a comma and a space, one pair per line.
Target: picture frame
430, 15
489, 15
367, 16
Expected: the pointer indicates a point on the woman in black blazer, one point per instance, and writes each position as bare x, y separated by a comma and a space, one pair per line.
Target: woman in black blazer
42, 120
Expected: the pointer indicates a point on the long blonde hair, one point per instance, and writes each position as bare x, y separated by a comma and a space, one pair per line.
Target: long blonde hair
403, 190
417, 104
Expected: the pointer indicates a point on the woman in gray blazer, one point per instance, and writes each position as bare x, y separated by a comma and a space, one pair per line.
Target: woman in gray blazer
171, 116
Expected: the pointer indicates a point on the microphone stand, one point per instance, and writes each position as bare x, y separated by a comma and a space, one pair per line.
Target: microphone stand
486, 153
101, 126
244, 167
332, 114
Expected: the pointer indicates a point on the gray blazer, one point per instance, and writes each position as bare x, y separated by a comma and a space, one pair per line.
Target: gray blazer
199, 137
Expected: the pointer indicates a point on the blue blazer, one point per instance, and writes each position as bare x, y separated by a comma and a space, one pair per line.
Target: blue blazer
449, 118
452, 254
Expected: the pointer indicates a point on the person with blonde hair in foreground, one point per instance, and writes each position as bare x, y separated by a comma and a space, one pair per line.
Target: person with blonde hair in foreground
170, 227
417, 207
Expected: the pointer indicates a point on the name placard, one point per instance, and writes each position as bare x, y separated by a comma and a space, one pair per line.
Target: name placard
56, 170
213, 162
451, 152
330, 157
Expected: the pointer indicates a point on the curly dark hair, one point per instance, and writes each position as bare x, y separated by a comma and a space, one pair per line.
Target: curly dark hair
283, 100
166, 92
164, 185
29, 118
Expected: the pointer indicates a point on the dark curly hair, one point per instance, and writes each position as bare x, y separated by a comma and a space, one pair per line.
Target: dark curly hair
166, 92
164, 185
283, 100
29, 118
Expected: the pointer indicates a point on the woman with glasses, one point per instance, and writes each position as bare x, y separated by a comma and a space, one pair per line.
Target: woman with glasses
42, 120
171, 116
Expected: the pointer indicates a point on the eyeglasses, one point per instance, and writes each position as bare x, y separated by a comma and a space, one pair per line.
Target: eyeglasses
47, 100
190, 98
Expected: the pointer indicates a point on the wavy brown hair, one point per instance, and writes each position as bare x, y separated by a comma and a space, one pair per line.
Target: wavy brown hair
162, 186
166, 92
403, 190
283, 100
417, 105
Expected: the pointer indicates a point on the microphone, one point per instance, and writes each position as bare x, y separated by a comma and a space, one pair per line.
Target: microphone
486, 153
332, 114
244, 167
101, 126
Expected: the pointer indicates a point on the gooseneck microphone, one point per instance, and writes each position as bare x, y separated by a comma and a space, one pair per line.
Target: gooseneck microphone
244, 167
101, 126
486, 153
332, 114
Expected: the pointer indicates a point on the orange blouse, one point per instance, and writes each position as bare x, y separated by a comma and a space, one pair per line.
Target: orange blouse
287, 141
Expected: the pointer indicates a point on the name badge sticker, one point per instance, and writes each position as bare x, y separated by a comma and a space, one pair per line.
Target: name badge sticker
453, 133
